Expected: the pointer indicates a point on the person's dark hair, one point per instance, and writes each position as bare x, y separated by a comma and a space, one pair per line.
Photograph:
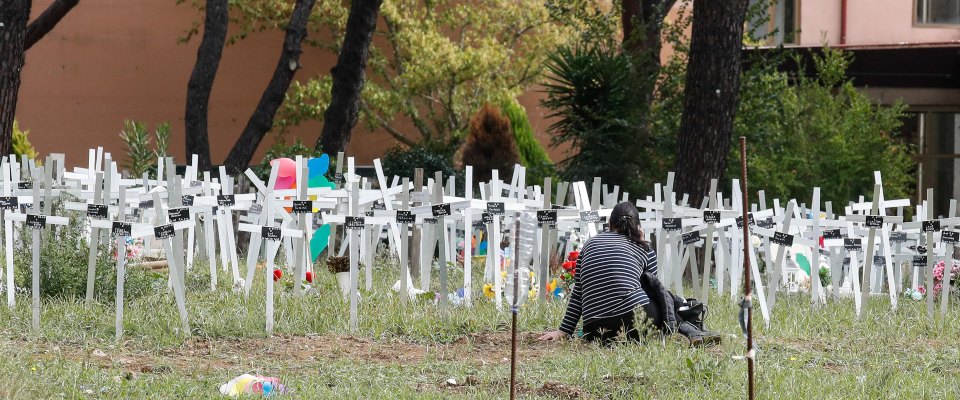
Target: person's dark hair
625, 220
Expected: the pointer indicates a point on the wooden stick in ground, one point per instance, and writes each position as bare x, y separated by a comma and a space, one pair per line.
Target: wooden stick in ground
514, 309
746, 268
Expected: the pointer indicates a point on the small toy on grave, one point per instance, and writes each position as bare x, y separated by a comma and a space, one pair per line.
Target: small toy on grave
238, 285
915, 295
253, 384
455, 298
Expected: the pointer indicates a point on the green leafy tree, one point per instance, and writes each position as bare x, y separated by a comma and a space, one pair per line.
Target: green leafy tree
438, 63
817, 129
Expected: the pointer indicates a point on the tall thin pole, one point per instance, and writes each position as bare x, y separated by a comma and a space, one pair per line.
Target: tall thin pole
514, 308
746, 266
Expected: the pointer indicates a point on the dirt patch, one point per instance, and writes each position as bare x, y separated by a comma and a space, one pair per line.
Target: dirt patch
561, 391
294, 351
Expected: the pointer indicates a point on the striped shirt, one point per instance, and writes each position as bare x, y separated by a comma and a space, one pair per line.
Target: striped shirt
607, 279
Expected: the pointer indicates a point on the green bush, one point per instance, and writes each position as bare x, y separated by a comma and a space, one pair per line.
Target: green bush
817, 129
532, 154
21, 144
592, 97
141, 157
63, 263
403, 161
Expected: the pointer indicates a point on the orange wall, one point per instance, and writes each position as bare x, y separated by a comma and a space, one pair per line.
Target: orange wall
110, 60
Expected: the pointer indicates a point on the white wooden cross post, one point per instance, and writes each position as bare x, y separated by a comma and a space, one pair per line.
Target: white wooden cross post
873, 221
166, 233
120, 230
949, 238
253, 247
711, 217
9, 204
36, 221
273, 236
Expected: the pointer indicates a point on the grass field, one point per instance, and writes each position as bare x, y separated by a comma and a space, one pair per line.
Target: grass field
411, 350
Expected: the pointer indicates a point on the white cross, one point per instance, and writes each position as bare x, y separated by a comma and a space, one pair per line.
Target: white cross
37, 221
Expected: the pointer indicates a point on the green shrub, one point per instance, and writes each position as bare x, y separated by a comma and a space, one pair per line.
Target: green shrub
141, 157
817, 129
532, 154
592, 97
63, 263
21, 144
403, 161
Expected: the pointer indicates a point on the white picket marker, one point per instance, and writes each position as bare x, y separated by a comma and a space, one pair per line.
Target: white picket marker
226, 188
173, 262
711, 216
468, 239
948, 238
403, 218
816, 291
440, 210
36, 221
256, 240
776, 278
120, 231
10, 204
274, 238
354, 225
493, 242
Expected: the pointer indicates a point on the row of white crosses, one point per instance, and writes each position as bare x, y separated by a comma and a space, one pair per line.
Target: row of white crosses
437, 217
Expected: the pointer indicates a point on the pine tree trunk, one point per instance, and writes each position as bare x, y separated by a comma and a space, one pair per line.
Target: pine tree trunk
262, 119
711, 95
348, 77
201, 81
642, 23
14, 15
45, 23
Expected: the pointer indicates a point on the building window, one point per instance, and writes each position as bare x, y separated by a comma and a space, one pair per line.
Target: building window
780, 23
938, 12
937, 137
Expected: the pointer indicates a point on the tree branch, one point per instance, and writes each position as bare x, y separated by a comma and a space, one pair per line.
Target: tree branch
262, 118
47, 21
201, 81
348, 77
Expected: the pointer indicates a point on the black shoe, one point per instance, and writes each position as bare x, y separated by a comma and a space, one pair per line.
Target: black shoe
699, 337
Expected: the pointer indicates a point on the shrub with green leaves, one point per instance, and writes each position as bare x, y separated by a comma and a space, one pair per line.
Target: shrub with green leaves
63, 263
817, 129
403, 161
141, 156
21, 144
593, 99
532, 154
